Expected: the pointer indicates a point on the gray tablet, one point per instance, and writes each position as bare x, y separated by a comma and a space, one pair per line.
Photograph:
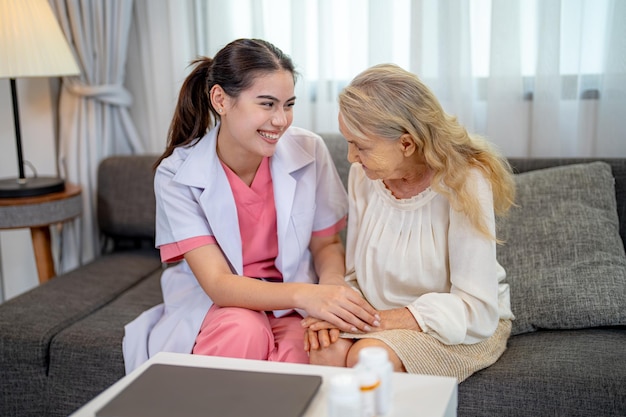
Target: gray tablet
185, 391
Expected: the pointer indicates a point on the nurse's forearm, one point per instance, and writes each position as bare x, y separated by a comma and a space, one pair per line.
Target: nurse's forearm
254, 294
226, 289
329, 259
337, 304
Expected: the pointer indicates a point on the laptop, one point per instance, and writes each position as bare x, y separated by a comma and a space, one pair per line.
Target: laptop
185, 391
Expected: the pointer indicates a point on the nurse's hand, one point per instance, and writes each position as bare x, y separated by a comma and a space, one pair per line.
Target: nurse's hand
339, 305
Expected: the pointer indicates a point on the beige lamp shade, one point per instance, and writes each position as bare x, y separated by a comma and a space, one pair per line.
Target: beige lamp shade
31, 41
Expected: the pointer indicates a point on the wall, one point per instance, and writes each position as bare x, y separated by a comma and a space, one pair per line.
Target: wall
17, 264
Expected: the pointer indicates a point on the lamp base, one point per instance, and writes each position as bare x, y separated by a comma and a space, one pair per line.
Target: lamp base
30, 187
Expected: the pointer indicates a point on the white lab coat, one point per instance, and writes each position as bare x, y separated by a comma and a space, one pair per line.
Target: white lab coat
194, 198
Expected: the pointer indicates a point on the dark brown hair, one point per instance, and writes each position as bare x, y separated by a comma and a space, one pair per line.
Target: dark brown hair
234, 68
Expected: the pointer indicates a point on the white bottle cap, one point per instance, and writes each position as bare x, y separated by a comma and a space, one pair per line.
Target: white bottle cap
373, 355
345, 384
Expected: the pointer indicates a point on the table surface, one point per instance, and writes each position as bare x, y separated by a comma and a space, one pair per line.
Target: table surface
41, 210
69, 191
423, 395
38, 213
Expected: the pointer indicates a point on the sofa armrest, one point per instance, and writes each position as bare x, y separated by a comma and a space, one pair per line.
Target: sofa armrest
30, 321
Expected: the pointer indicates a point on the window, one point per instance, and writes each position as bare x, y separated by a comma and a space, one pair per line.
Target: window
358, 33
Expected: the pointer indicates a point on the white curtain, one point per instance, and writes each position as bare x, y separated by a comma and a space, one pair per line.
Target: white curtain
538, 78
93, 109
161, 46
610, 124
567, 97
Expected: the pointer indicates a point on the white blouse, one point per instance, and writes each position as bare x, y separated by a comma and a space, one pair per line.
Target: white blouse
422, 254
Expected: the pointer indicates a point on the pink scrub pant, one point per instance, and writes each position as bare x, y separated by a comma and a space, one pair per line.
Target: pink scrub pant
242, 333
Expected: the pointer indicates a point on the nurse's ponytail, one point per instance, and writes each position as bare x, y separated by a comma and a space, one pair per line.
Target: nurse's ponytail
233, 68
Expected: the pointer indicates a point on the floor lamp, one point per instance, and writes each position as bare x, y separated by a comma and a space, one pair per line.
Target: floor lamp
31, 45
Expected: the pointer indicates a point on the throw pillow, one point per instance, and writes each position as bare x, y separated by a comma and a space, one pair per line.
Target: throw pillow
563, 255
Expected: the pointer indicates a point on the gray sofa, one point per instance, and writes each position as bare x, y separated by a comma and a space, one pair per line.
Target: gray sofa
60, 343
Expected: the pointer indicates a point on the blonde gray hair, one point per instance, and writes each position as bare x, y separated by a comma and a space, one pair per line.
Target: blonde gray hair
387, 101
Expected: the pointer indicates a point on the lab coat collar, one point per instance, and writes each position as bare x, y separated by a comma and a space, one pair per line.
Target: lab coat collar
202, 169
290, 156
202, 163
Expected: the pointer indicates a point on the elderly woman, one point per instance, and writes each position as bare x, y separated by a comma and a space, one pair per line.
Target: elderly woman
421, 243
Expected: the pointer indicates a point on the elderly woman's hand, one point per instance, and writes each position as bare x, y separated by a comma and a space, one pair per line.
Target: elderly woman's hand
397, 318
316, 339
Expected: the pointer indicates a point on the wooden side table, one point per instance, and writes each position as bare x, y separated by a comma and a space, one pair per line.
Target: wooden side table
38, 213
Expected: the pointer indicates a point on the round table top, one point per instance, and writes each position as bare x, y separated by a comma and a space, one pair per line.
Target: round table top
70, 191
41, 210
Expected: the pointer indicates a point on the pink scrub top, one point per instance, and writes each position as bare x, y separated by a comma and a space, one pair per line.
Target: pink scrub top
256, 213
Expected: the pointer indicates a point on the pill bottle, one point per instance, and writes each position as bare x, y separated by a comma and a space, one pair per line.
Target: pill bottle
344, 396
377, 360
369, 384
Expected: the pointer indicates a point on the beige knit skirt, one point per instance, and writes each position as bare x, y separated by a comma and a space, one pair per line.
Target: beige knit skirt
421, 353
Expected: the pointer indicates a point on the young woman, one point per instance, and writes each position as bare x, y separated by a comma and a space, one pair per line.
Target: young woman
251, 208
421, 243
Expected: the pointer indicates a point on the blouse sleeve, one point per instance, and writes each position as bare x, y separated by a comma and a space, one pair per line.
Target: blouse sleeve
468, 313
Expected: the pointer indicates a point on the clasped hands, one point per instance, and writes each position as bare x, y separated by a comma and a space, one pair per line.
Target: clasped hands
320, 333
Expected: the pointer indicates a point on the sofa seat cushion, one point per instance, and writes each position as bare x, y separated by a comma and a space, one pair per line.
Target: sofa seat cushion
28, 323
552, 373
86, 357
563, 254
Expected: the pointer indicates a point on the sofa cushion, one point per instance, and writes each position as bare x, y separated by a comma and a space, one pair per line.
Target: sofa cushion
338, 148
86, 357
563, 254
126, 202
573, 373
29, 323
